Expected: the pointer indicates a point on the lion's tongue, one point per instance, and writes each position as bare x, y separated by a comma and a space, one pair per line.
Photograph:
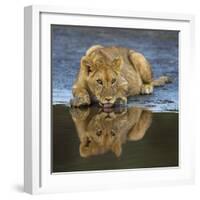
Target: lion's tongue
107, 108
107, 105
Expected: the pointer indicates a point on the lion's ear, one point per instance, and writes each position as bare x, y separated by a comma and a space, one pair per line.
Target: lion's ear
116, 64
87, 65
116, 148
84, 151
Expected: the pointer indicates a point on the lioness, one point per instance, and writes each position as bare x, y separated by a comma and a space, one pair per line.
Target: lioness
100, 132
108, 75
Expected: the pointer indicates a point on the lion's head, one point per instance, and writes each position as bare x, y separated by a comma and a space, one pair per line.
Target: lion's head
103, 135
104, 78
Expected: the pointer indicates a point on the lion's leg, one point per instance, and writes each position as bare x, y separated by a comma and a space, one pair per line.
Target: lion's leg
139, 129
79, 114
79, 117
121, 97
143, 67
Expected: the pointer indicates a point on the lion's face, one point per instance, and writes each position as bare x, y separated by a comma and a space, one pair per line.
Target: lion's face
103, 84
102, 135
103, 128
103, 79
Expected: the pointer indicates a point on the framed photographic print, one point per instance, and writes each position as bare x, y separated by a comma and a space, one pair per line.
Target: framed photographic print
106, 99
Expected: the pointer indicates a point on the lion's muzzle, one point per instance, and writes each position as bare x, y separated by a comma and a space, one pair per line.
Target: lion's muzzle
108, 102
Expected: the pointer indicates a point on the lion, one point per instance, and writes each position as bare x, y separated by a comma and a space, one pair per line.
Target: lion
108, 75
100, 132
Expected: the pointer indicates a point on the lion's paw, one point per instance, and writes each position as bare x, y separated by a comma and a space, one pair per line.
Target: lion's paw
79, 114
79, 101
147, 89
121, 101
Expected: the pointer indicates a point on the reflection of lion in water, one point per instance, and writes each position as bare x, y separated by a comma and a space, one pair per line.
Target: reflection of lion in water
109, 75
100, 132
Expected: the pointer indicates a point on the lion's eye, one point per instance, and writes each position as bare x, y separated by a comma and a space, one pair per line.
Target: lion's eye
113, 81
99, 132
99, 82
112, 133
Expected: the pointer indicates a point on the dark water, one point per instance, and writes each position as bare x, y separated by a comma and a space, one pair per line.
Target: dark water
69, 44
123, 138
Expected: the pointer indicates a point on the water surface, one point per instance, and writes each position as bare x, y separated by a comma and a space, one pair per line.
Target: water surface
123, 138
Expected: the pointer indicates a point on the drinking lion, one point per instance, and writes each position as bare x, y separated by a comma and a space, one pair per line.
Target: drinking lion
108, 75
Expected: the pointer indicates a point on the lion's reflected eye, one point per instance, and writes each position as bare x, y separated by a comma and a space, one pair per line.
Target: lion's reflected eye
99, 82
99, 132
88, 141
112, 133
113, 80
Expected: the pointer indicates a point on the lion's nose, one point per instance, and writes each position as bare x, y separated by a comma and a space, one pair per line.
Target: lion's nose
108, 98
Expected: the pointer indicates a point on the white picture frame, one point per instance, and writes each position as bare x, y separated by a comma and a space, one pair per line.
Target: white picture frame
37, 152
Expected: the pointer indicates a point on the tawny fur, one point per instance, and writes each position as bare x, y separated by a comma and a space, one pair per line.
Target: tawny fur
100, 132
109, 75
